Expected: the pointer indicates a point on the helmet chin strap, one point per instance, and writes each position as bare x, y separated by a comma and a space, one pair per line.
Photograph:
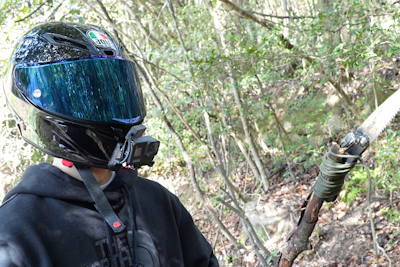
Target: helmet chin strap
101, 203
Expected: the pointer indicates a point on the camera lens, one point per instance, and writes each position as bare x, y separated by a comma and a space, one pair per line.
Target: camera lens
152, 149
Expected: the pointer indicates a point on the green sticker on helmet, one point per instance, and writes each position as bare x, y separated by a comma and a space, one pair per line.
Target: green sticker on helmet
100, 39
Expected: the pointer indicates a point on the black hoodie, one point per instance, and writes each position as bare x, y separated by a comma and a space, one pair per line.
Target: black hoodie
49, 219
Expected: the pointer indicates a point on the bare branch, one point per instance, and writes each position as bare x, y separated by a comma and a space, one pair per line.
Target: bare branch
54, 11
147, 7
140, 25
171, 9
33, 12
282, 17
165, 28
267, 24
103, 8
247, 14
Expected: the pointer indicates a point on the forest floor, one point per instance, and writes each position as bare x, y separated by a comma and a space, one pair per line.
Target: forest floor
342, 237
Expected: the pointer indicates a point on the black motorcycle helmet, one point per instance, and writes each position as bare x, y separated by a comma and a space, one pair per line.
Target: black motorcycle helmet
74, 92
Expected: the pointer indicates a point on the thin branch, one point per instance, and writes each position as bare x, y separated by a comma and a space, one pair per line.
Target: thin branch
54, 11
164, 70
171, 10
279, 125
268, 24
254, 240
147, 7
247, 14
173, 106
33, 12
246, 155
140, 25
240, 108
220, 165
344, 25
103, 8
282, 17
166, 30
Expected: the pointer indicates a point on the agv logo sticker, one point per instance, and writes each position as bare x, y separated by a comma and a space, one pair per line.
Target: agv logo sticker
100, 39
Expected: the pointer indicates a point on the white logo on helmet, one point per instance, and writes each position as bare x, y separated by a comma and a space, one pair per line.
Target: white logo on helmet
100, 39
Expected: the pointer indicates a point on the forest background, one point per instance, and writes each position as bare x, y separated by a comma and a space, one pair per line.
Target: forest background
246, 97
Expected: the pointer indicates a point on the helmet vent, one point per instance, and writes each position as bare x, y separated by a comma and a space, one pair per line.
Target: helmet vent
109, 52
65, 41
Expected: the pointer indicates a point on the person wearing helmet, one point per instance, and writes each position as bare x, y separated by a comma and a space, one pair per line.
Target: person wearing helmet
76, 96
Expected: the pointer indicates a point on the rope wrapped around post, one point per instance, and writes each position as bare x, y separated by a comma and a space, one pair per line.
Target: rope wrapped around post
332, 174
335, 165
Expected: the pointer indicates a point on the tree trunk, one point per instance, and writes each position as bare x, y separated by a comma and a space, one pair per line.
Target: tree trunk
238, 101
255, 241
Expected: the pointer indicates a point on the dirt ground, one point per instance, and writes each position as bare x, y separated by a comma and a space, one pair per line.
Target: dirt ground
343, 235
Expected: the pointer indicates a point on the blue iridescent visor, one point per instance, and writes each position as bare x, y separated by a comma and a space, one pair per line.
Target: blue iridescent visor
101, 89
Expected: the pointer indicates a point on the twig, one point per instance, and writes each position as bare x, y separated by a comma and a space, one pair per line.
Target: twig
171, 10
54, 11
371, 220
279, 125
386, 255
166, 30
158, 21
254, 240
215, 239
103, 8
140, 25
283, 17
284, 151
33, 12
253, 244
247, 156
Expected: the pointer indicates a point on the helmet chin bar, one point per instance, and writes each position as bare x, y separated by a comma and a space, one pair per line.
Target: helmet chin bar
136, 151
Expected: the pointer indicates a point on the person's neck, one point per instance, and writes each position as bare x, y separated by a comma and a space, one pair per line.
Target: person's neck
102, 175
